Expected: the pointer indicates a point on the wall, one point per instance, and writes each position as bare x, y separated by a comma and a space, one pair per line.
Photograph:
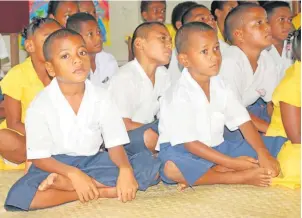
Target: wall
124, 17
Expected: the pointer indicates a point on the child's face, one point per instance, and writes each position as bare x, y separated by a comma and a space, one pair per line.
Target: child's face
65, 10
203, 15
34, 44
87, 7
227, 7
70, 61
202, 56
281, 23
156, 12
157, 46
92, 35
255, 29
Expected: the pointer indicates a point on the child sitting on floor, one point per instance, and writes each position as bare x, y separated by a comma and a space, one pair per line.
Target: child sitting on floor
103, 65
139, 84
280, 19
246, 65
61, 10
193, 114
19, 87
65, 126
286, 120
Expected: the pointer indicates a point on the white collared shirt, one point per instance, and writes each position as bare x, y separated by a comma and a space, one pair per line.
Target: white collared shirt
106, 67
134, 93
175, 68
187, 115
248, 86
53, 128
282, 62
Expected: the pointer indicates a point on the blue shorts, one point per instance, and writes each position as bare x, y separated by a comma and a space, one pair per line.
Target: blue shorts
193, 167
99, 167
137, 142
259, 109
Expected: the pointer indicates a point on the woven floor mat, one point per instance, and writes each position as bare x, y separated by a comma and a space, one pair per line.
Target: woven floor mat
221, 201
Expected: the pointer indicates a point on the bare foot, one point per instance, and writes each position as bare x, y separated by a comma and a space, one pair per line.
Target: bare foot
257, 176
48, 182
181, 186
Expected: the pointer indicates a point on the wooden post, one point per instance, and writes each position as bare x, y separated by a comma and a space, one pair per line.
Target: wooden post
296, 7
14, 49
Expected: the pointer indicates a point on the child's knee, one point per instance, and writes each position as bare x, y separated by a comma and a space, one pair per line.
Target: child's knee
150, 139
171, 170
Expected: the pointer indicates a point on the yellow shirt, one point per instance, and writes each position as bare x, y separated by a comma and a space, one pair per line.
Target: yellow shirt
171, 30
219, 34
289, 157
297, 21
22, 84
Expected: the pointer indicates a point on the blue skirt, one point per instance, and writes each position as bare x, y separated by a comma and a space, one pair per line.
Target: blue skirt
259, 109
193, 167
99, 167
137, 142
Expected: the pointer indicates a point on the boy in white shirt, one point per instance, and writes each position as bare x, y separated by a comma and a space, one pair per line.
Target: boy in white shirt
193, 115
280, 17
65, 126
103, 64
139, 84
246, 65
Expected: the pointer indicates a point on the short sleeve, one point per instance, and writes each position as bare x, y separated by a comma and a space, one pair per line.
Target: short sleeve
113, 127
38, 138
235, 113
230, 73
11, 84
288, 92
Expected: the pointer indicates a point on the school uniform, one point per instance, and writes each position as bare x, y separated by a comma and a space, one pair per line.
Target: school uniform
54, 130
175, 68
106, 67
137, 98
282, 62
252, 89
187, 116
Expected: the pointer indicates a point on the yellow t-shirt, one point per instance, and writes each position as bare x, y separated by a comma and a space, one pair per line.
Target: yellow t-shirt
289, 157
22, 84
219, 34
171, 30
297, 21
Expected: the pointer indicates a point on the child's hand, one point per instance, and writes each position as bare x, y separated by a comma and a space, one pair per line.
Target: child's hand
244, 163
126, 185
269, 162
83, 185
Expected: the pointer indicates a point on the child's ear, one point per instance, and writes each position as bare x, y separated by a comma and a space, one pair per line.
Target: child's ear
29, 46
145, 16
51, 16
238, 35
217, 13
49, 69
183, 60
139, 44
178, 24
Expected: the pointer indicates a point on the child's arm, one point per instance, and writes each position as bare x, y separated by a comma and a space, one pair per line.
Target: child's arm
291, 119
13, 113
2, 111
260, 124
82, 183
126, 183
201, 150
131, 125
266, 160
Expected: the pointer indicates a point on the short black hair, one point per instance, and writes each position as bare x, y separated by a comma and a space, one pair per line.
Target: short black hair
182, 35
74, 21
35, 24
217, 5
145, 5
187, 15
246, 2
179, 10
234, 19
270, 7
59, 34
53, 6
142, 31
296, 46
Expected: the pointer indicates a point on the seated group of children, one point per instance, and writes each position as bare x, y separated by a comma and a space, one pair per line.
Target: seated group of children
222, 113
